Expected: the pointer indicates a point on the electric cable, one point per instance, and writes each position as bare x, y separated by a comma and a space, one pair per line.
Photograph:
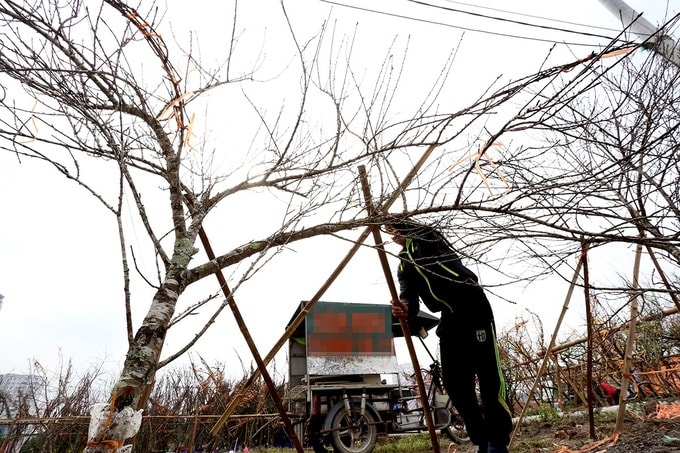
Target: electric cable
459, 27
512, 21
548, 19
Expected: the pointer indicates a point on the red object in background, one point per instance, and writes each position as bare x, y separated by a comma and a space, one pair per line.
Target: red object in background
611, 392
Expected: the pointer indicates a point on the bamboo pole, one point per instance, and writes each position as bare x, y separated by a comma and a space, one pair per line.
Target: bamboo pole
630, 342
379, 246
548, 353
237, 397
251, 345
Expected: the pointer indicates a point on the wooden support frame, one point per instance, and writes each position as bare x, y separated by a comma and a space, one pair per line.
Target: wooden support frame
237, 397
251, 345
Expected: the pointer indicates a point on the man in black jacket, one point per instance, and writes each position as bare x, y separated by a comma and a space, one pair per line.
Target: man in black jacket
430, 270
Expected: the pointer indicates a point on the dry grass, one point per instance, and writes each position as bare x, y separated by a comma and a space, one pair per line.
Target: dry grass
52, 413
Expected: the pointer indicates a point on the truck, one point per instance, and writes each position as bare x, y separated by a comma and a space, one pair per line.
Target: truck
345, 385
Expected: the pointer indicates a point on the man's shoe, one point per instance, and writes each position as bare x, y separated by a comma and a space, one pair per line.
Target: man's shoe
496, 448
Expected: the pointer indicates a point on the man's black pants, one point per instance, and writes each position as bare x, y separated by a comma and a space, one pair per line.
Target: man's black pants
469, 354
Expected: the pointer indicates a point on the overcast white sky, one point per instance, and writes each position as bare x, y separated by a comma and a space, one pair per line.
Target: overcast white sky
59, 257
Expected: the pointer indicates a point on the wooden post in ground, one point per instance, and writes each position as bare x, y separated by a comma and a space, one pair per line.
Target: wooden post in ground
630, 342
589, 348
379, 246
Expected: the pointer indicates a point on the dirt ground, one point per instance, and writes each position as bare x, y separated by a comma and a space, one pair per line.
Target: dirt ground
646, 429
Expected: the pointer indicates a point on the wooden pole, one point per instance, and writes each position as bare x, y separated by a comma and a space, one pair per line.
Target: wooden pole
237, 397
548, 353
589, 348
379, 246
630, 342
251, 345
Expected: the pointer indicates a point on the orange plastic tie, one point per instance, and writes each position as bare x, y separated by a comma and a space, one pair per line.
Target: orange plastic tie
107, 422
614, 53
112, 445
590, 448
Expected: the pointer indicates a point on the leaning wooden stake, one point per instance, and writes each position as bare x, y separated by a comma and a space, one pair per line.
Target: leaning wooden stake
249, 340
628, 358
237, 397
379, 246
546, 357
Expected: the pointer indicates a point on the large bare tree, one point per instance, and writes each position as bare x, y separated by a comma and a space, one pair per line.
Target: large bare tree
100, 84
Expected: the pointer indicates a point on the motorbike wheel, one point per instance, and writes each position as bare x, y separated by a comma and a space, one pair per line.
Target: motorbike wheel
353, 432
455, 430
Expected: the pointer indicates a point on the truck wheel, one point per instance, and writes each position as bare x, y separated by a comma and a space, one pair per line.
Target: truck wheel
351, 431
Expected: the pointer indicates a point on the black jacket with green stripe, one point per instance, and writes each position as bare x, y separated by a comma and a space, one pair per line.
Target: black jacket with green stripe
431, 271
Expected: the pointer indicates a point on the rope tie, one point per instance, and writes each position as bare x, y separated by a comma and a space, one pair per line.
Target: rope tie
109, 444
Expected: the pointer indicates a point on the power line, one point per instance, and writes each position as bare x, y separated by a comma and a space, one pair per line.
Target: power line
549, 19
512, 21
444, 24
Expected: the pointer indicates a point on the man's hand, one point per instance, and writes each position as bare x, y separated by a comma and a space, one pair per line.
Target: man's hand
399, 308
